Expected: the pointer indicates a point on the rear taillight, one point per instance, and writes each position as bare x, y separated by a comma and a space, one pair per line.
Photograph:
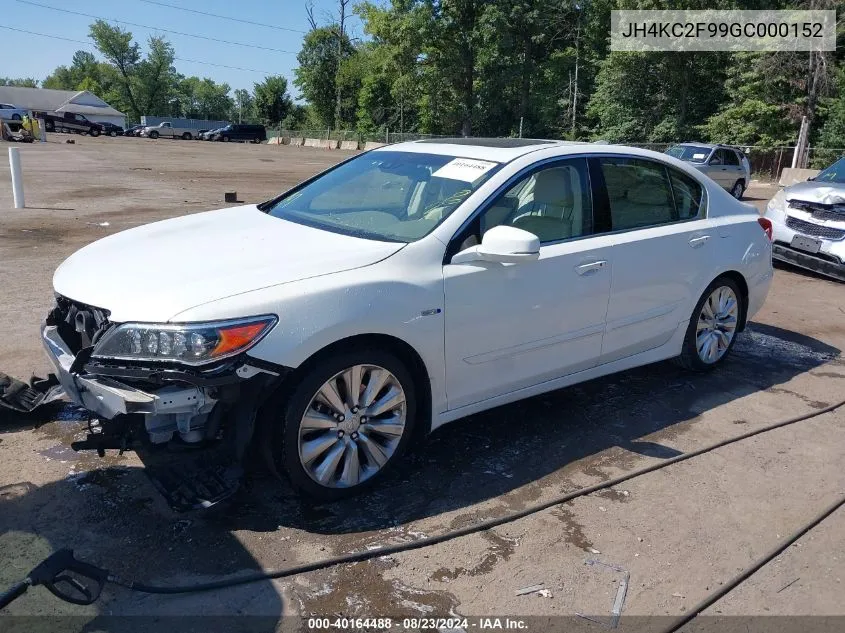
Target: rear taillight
766, 225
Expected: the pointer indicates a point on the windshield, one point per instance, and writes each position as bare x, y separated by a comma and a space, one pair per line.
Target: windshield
691, 153
834, 173
385, 195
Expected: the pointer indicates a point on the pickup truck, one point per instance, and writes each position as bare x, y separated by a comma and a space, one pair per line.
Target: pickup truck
69, 122
166, 128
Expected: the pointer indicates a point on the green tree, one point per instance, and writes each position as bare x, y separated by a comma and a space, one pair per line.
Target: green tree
317, 73
243, 106
272, 101
117, 47
23, 82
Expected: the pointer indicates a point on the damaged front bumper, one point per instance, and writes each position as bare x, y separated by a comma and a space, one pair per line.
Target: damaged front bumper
183, 404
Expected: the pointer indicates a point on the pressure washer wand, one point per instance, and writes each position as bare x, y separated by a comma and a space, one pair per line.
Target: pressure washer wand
67, 578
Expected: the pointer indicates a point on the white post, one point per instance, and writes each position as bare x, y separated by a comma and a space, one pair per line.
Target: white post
43, 130
797, 155
520, 127
17, 177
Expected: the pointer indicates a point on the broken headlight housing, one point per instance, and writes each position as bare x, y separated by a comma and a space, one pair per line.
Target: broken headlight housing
188, 343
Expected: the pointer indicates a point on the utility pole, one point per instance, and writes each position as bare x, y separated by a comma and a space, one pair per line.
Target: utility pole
577, 59
341, 32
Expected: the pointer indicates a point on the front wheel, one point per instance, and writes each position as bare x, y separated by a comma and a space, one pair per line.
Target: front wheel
226, 139
94, 132
712, 330
113, 133
16, 117
346, 422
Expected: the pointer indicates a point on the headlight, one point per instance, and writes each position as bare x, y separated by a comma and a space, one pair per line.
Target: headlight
777, 205
189, 343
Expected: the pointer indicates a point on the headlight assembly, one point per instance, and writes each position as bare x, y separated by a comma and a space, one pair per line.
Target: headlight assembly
777, 205
189, 343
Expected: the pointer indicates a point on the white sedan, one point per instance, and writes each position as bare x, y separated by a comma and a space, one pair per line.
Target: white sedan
400, 290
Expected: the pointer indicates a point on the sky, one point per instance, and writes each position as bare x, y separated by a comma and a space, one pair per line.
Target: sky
37, 56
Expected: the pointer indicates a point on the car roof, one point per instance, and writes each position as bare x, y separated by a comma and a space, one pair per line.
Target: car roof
709, 145
501, 150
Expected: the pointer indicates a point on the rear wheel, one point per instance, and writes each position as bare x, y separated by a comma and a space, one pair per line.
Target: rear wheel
738, 189
225, 139
94, 132
346, 422
113, 133
187, 136
154, 135
712, 330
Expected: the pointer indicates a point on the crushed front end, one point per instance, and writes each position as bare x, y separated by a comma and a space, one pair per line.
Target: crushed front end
162, 403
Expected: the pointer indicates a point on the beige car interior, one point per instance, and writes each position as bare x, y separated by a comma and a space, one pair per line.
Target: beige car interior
639, 195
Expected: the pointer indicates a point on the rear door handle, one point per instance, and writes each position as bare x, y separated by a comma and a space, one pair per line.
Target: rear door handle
699, 241
583, 269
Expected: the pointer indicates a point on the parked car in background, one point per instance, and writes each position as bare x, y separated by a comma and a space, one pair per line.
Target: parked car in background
167, 130
69, 122
135, 130
241, 132
11, 112
401, 290
808, 222
728, 166
199, 134
209, 134
110, 128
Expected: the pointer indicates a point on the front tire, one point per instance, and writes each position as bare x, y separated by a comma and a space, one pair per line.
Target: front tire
712, 329
346, 422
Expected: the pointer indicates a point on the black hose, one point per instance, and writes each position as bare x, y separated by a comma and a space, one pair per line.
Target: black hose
745, 575
472, 529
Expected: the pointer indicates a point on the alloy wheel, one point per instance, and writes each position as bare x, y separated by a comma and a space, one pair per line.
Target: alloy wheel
352, 426
717, 323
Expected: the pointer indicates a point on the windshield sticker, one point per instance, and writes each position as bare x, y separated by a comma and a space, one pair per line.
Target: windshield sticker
699, 156
464, 169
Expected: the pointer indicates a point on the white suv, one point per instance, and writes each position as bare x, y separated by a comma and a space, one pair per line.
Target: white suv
398, 291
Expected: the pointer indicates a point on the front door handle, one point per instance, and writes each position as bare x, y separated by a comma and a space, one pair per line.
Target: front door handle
583, 269
699, 241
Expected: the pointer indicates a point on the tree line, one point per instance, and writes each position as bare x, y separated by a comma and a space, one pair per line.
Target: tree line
495, 68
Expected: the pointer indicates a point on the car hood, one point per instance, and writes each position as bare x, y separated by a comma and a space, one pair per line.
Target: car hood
812, 191
153, 272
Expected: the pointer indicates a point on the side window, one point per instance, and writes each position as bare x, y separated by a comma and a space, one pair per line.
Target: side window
553, 203
639, 193
731, 158
718, 158
689, 195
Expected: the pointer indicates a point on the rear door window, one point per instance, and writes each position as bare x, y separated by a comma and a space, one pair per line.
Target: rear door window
730, 157
639, 192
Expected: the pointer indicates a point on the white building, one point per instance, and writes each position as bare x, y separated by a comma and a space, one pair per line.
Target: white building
79, 102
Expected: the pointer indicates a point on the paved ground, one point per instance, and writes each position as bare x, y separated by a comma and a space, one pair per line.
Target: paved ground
680, 532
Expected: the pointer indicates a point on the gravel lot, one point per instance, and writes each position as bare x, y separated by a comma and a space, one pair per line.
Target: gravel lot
681, 532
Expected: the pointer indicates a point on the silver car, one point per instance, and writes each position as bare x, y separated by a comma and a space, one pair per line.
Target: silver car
808, 222
728, 166
11, 112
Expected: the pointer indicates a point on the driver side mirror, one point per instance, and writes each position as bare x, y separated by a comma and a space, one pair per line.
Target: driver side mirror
503, 244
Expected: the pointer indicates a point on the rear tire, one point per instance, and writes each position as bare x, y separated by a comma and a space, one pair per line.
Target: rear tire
112, 133
153, 135
187, 136
225, 139
738, 189
713, 326
352, 453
